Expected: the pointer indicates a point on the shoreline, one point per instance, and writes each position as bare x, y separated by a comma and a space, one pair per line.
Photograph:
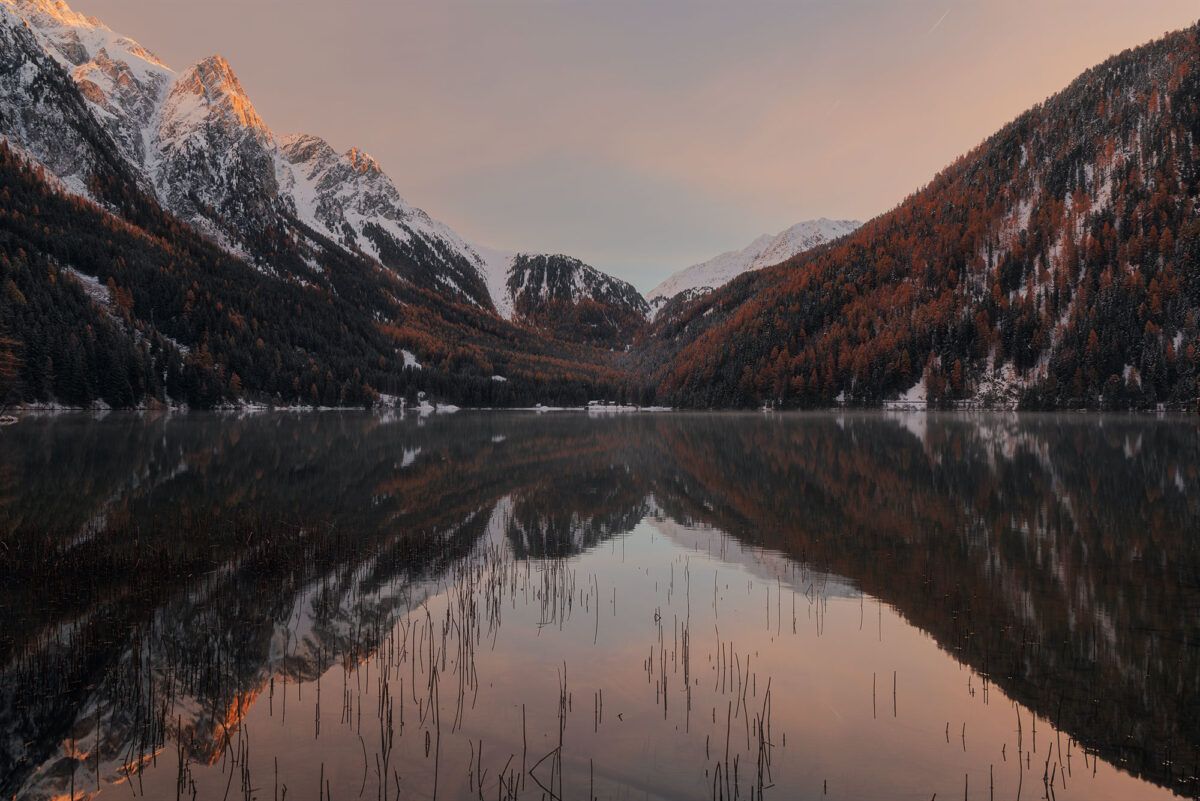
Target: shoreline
14, 415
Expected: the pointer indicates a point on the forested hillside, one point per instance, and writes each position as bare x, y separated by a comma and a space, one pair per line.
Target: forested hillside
1056, 265
142, 309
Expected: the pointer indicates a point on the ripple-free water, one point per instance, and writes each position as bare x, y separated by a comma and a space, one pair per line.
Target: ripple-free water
342, 606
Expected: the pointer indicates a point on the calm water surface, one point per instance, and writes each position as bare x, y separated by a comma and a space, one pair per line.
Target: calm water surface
346, 606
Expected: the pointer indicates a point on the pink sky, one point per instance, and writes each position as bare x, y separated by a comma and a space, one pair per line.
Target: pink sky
645, 136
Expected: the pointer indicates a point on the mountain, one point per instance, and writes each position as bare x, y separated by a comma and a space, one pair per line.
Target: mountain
1056, 265
159, 243
565, 297
122, 82
43, 114
765, 251
107, 311
349, 198
196, 141
212, 158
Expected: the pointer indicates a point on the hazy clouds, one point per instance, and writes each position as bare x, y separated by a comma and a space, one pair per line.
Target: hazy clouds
645, 136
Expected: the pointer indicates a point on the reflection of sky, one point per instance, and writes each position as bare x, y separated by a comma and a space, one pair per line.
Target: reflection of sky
643, 137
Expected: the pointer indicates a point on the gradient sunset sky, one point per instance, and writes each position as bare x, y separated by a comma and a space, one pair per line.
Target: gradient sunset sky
643, 137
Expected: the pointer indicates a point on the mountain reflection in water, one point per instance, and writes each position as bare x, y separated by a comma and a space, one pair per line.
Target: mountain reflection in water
675, 606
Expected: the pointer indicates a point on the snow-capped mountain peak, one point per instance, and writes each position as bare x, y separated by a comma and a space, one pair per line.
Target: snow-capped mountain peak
212, 158
41, 114
349, 198
122, 81
218, 91
74, 39
55, 11
523, 284
306, 148
574, 300
197, 142
765, 251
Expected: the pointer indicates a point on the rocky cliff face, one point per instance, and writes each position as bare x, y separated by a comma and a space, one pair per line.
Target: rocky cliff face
213, 158
121, 82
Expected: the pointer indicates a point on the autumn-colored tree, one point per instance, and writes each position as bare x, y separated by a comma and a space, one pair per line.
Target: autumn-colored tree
9, 370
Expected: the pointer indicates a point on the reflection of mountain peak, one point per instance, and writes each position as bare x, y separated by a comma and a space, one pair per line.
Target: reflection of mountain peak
768, 565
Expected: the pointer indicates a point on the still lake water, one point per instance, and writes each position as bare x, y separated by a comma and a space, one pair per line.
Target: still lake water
343, 606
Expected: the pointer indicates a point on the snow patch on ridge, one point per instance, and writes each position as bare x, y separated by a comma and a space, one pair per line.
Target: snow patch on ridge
766, 251
496, 267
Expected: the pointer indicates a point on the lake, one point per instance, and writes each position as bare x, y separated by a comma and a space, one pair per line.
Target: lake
674, 606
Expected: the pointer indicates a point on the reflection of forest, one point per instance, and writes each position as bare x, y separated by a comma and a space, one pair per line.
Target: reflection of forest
196, 549
1057, 555
1060, 557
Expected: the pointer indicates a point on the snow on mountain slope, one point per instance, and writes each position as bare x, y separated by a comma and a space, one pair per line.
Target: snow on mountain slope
350, 199
573, 300
536, 279
765, 251
212, 158
121, 81
195, 139
496, 267
525, 281
40, 113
